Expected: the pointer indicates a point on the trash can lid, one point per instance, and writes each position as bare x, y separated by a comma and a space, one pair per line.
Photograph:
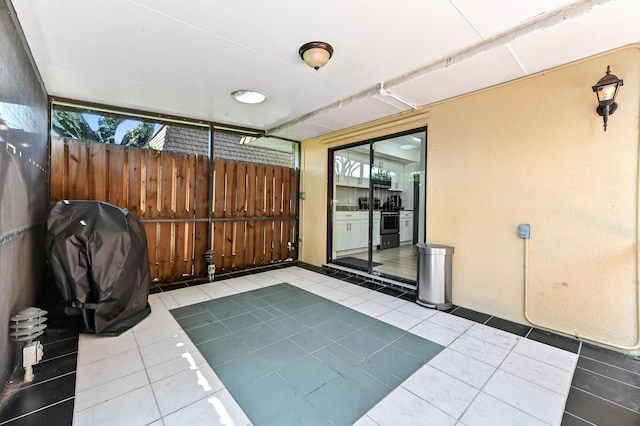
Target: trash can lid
434, 249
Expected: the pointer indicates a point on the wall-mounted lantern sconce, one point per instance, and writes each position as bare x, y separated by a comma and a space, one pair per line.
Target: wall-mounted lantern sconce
606, 90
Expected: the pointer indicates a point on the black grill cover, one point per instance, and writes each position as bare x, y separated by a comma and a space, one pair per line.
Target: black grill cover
98, 256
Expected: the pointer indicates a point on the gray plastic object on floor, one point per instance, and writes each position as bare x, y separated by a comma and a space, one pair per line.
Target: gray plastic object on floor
98, 256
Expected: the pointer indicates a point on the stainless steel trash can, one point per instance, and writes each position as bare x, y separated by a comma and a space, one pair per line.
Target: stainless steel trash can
434, 276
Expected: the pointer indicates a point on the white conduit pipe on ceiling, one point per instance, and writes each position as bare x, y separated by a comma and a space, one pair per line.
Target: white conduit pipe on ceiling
637, 276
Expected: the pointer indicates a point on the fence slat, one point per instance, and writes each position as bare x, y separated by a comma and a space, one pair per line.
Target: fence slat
251, 190
135, 182
181, 260
268, 194
201, 191
250, 242
240, 193
180, 187
117, 176
152, 164
57, 169
151, 229
277, 191
219, 188
98, 179
259, 202
230, 189
78, 171
201, 244
259, 243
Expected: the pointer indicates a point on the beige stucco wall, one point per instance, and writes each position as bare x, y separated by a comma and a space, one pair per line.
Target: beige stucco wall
530, 151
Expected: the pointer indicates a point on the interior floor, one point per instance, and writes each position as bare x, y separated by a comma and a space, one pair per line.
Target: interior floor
399, 261
490, 371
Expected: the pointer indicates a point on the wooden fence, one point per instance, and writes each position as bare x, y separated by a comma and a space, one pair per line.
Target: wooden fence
254, 209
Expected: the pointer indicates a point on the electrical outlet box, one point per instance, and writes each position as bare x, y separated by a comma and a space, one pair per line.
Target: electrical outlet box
32, 354
524, 230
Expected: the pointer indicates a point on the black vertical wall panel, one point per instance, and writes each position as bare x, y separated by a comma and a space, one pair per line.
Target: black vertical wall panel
23, 183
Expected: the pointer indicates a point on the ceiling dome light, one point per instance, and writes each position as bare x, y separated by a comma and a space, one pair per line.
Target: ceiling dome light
248, 96
316, 54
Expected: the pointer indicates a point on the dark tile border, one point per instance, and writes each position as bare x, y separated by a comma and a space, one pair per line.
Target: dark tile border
598, 411
509, 326
49, 399
552, 339
469, 314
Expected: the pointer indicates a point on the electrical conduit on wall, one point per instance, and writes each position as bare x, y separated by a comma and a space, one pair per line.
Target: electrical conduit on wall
636, 345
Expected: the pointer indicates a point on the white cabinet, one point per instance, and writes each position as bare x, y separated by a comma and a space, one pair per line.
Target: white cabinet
351, 230
361, 170
406, 227
376, 229
347, 231
351, 169
396, 170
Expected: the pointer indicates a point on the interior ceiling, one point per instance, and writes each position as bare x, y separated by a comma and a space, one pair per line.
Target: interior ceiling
184, 58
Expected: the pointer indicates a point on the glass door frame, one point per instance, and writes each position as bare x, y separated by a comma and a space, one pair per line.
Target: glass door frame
332, 199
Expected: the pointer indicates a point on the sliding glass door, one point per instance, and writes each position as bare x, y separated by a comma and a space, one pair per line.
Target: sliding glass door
377, 198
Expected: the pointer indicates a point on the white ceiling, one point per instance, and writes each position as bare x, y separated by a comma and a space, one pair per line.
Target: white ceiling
184, 58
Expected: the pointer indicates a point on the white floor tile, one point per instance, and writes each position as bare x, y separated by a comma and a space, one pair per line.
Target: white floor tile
96, 347
400, 319
174, 366
548, 354
417, 311
462, 367
365, 421
435, 332
106, 391
302, 283
264, 280
156, 318
368, 294
389, 301
493, 335
217, 409
182, 389
189, 296
353, 289
165, 350
488, 411
242, 284
168, 300
320, 289
334, 283
402, 407
108, 369
134, 408
151, 335
284, 275
480, 350
441, 390
535, 400
451, 321
337, 295
371, 308
545, 375
352, 301
312, 276
217, 289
